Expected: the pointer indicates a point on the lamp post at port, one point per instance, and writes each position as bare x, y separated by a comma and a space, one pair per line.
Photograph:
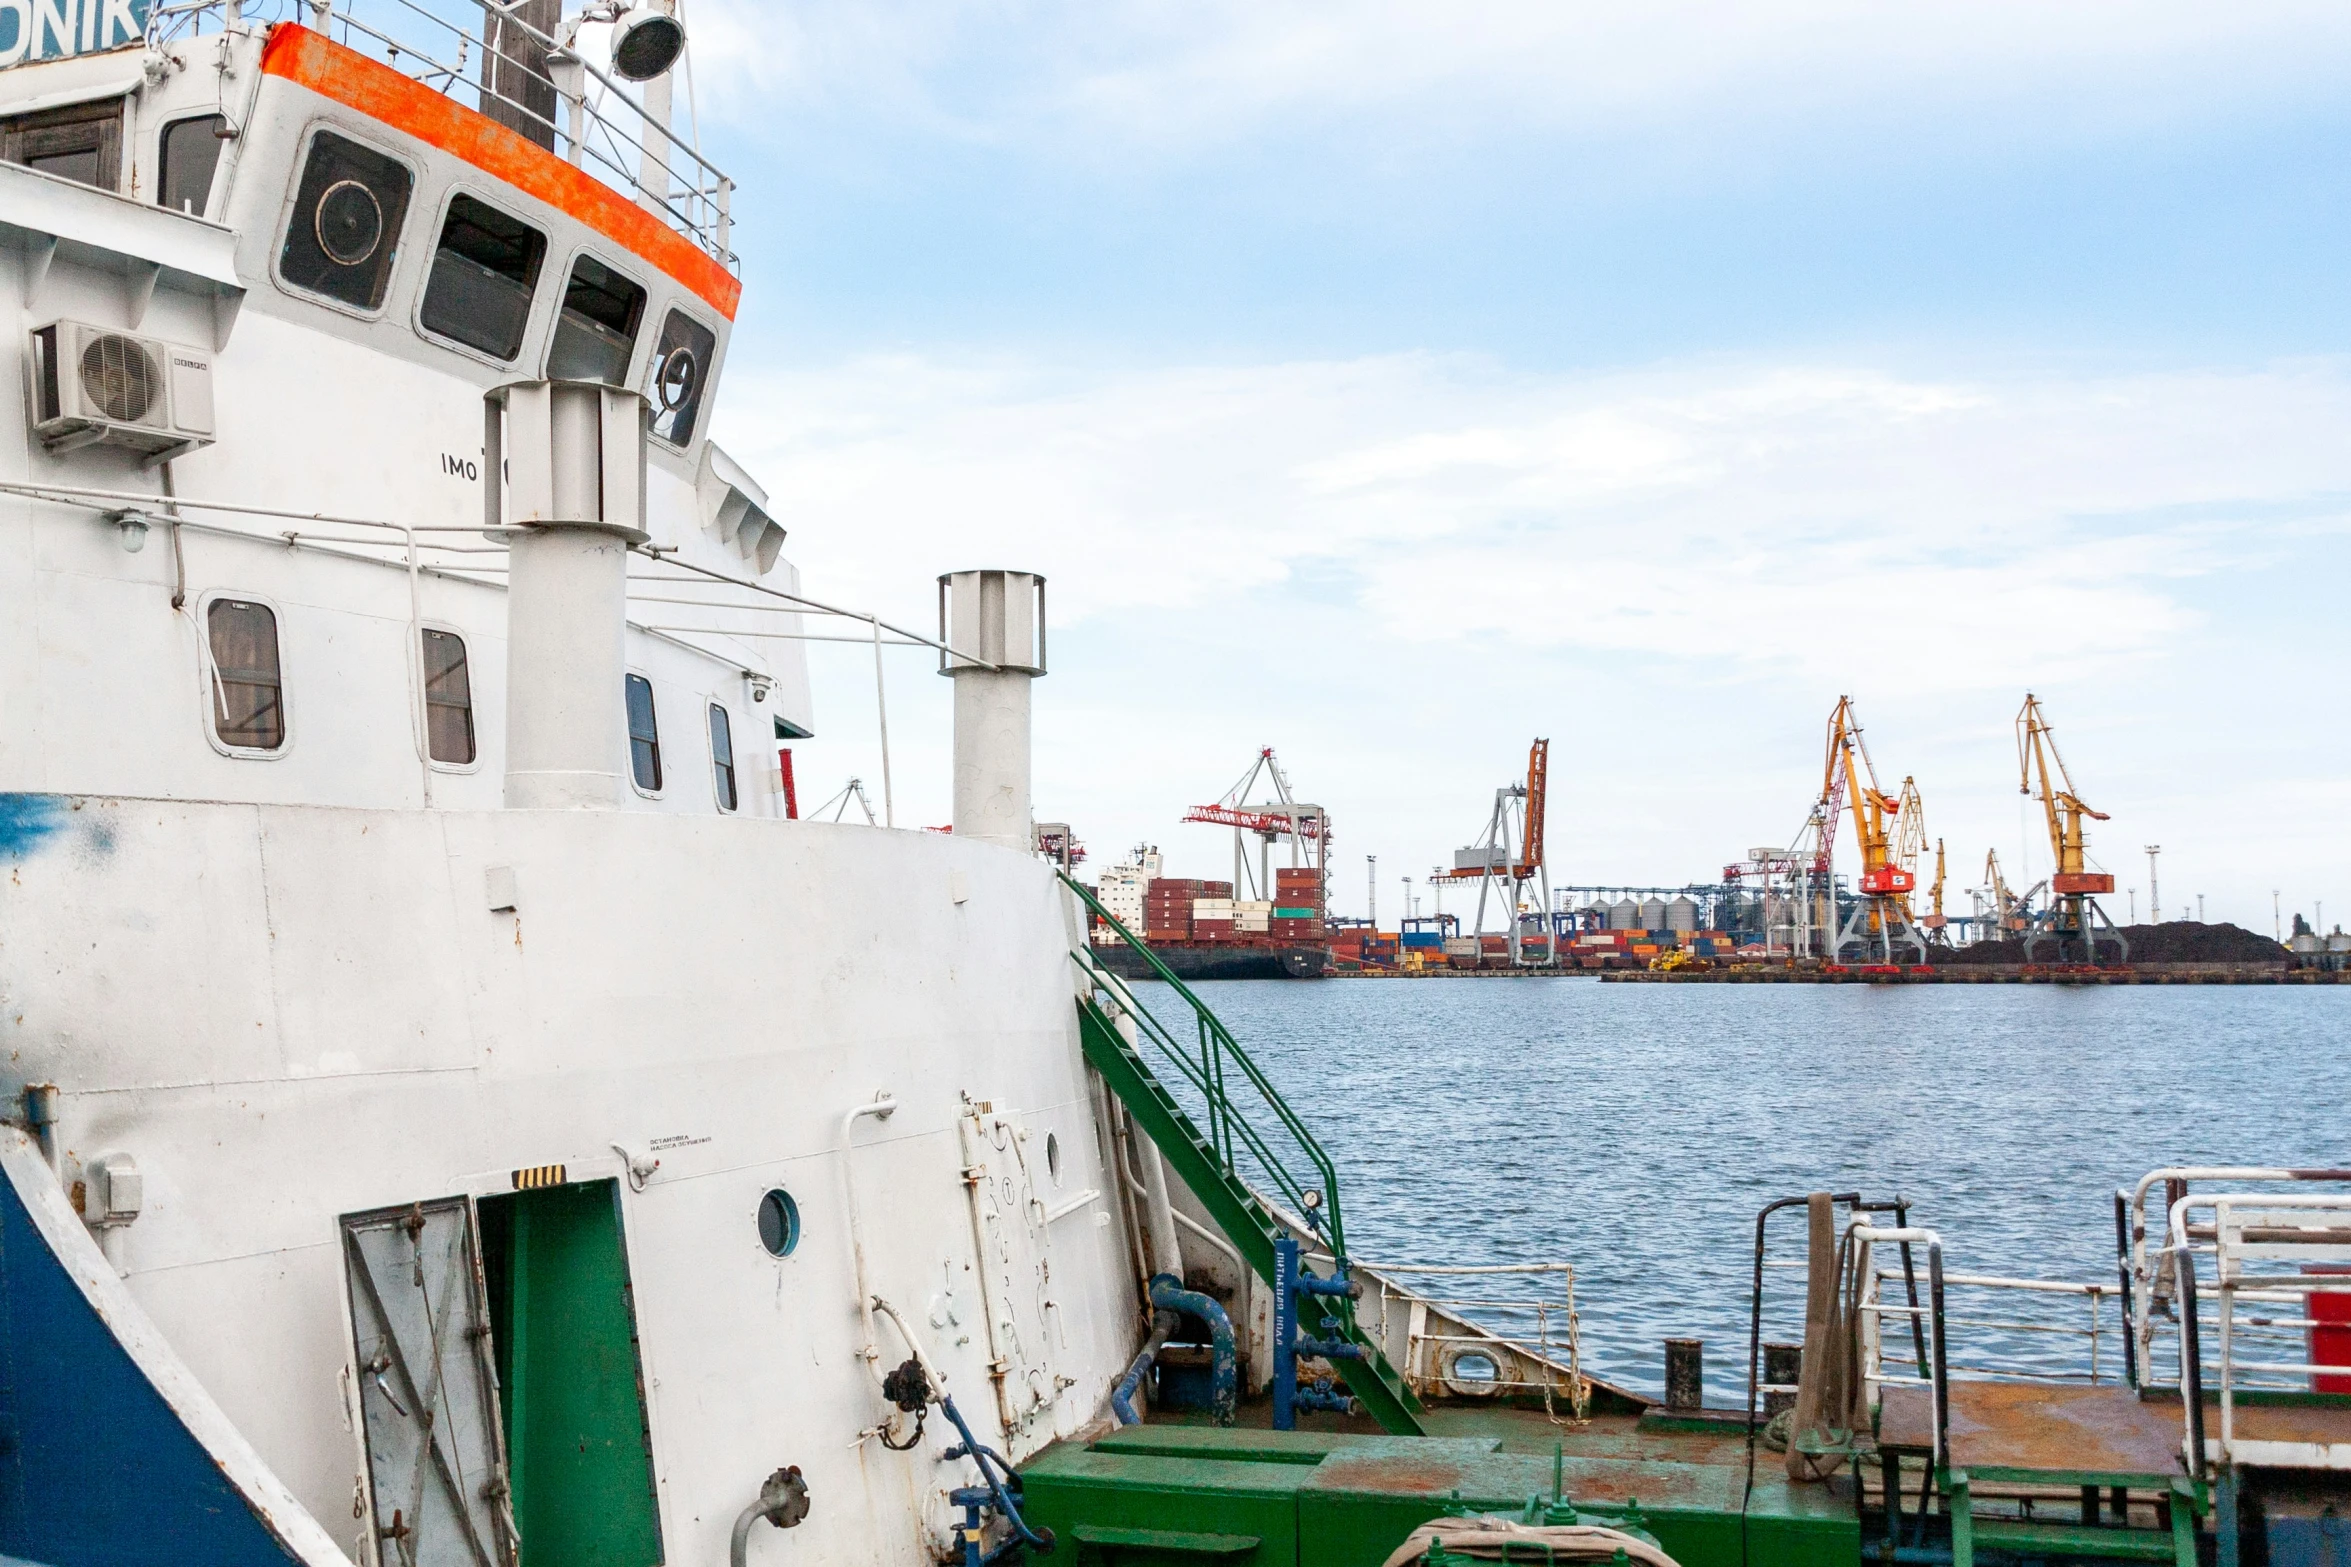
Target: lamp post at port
995, 623
1373, 876
2154, 897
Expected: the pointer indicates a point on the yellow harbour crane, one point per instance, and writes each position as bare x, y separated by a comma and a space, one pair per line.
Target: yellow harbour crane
1880, 921
2008, 910
1933, 921
2071, 919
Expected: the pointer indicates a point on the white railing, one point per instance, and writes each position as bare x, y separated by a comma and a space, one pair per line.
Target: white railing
2284, 1248
1929, 1314
2150, 1269
537, 83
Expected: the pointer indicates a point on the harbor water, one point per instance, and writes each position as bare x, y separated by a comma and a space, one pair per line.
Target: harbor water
1634, 1131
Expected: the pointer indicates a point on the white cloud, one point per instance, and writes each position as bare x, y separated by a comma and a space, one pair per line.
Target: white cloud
1758, 516
1155, 72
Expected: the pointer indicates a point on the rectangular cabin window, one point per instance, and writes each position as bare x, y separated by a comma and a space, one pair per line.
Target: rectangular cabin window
644, 736
483, 273
81, 141
345, 228
187, 153
596, 330
248, 692
448, 698
679, 374
722, 756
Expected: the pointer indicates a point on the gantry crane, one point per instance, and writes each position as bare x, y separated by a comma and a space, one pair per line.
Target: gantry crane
1307, 827
1880, 921
1510, 855
2071, 919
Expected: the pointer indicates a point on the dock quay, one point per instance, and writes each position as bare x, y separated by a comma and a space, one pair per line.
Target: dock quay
1955, 974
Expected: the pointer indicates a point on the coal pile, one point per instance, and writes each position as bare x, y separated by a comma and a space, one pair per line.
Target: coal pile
2179, 941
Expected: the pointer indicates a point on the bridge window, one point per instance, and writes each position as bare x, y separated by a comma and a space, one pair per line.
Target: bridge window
81, 141
678, 376
248, 691
345, 230
188, 152
644, 736
596, 330
448, 698
483, 272
722, 757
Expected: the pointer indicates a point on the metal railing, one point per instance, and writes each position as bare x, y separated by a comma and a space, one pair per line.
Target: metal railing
1531, 1336
1935, 1374
537, 84
2149, 1265
2054, 1344
1211, 1067
2310, 1231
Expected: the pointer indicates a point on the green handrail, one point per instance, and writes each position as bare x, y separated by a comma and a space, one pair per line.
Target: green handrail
1211, 1067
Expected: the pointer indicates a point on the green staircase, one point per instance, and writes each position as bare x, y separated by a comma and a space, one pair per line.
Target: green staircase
1208, 1151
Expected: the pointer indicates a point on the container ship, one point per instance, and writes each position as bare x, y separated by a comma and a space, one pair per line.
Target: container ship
1199, 930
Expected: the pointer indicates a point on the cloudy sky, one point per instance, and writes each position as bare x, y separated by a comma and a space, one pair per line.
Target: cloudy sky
1393, 382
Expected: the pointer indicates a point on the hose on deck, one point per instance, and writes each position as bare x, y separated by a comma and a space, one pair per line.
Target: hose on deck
1122, 1397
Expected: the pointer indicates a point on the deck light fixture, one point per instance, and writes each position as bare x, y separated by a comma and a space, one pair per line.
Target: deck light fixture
130, 529
646, 42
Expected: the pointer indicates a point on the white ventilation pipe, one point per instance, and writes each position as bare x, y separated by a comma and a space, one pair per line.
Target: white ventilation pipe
572, 503
995, 623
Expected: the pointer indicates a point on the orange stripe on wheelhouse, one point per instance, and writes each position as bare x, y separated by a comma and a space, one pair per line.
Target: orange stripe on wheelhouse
317, 62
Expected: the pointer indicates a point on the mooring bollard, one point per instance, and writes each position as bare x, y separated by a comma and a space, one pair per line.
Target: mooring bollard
1783, 1366
1685, 1373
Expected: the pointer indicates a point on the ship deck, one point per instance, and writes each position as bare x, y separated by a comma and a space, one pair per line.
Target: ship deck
1177, 1489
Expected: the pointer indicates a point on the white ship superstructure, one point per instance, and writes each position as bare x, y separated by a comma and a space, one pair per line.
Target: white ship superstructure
392, 1071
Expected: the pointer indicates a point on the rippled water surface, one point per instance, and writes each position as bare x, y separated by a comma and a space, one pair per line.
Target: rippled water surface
1634, 1130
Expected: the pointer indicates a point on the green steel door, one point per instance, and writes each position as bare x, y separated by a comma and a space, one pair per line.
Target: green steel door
564, 1327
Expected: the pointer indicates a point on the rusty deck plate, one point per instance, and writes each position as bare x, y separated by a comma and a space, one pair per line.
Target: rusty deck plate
2039, 1428
2317, 1424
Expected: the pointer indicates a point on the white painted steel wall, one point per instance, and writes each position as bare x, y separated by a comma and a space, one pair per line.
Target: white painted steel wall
288, 1013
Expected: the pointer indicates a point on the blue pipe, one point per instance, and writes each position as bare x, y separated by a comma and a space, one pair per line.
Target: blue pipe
1224, 1384
988, 1461
1122, 1397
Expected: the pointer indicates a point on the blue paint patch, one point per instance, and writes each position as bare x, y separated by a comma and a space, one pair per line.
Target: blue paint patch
29, 820
96, 1469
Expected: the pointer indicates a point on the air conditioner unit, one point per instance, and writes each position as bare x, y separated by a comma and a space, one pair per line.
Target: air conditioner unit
95, 386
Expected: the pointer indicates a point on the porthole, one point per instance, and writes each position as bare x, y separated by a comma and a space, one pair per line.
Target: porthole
1053, 1157
779, 1222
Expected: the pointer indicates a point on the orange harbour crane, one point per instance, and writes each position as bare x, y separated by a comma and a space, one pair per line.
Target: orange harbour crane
2072, 919
1510, 855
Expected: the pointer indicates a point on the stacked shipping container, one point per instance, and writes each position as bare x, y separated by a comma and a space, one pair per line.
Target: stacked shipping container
1181, 908
1167, 905
1298, 902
